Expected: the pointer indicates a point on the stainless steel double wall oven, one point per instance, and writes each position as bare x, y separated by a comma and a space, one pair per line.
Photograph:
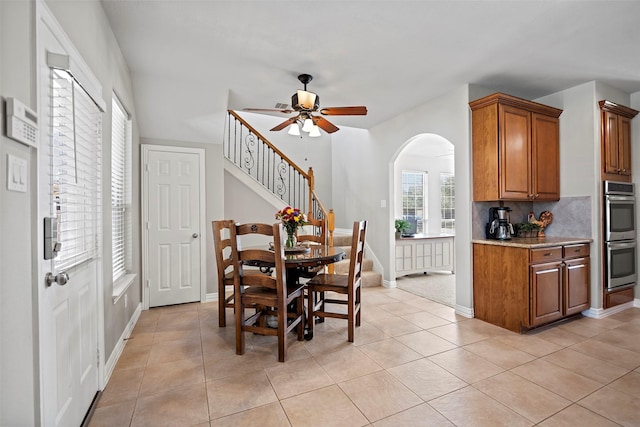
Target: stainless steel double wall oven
620, 235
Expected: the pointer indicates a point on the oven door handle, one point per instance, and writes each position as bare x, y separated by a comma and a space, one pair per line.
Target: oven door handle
623, 199
621, 245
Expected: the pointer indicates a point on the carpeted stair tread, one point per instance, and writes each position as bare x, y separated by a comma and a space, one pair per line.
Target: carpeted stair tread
370, 278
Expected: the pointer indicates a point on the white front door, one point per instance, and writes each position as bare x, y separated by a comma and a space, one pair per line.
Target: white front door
173, 221
68, 311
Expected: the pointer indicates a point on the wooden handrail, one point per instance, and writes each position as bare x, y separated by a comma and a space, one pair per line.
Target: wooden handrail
266, 141
327, 216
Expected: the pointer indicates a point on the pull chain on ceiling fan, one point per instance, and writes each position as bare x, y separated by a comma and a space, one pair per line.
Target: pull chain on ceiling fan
306, 103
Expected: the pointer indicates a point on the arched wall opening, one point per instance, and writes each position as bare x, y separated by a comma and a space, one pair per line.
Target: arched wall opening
428, 159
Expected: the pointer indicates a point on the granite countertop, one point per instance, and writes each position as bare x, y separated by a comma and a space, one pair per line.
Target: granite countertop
534, 242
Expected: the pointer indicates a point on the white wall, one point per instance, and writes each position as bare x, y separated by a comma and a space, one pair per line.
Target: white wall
18, 290
363, 177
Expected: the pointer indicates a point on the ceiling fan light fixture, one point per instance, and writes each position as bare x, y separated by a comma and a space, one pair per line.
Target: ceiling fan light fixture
303, 100
294, 130
308, 125
314, 132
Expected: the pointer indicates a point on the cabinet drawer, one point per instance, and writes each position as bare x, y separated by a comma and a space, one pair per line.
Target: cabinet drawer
546, 254
574, 251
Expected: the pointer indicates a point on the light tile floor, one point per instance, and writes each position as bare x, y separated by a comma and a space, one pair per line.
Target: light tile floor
414, 363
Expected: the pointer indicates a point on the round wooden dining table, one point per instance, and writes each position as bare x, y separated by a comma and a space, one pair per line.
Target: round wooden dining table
301, 260
312, 256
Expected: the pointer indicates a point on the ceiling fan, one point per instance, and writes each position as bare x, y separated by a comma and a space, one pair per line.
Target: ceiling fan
306, 103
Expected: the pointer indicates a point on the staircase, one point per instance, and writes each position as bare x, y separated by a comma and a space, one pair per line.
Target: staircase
369, 277
252, 153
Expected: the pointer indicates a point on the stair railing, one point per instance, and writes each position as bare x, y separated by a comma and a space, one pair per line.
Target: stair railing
246, 148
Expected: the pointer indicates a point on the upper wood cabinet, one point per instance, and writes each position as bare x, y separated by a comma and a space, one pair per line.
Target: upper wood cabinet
516, 149
616, 141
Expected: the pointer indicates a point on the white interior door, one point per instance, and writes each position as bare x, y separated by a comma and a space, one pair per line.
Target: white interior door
173, 193
68, 311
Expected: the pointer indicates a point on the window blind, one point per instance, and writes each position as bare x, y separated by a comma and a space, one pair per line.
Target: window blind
120, 140
76, 163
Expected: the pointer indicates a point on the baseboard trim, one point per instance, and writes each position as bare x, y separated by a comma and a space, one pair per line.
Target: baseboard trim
212, 297
601, 313
117, 351
389, 283
464, 311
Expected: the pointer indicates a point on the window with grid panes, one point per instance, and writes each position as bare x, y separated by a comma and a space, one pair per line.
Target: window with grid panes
76, 163
414, 206
447, 203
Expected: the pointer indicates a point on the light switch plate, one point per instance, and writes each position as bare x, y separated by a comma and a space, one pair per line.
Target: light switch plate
16, 174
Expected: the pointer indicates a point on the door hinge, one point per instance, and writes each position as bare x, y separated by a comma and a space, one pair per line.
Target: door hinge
98, 357
148, 283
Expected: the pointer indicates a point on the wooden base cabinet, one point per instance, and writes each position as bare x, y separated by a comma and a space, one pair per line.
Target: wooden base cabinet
545, 293
521, 288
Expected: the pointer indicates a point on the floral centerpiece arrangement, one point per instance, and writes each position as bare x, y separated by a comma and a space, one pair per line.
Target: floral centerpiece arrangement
292, 219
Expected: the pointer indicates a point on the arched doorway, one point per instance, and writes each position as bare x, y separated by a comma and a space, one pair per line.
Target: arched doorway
424, 197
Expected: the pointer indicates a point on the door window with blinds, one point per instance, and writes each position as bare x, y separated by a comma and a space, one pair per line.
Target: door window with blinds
76, 164
120, 188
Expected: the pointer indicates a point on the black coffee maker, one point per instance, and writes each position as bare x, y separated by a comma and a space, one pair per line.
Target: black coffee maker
499, 226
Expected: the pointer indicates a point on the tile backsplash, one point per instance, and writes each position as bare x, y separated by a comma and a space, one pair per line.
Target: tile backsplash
571, 216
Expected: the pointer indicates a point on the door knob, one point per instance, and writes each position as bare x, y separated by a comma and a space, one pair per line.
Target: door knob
194, 235
61, 278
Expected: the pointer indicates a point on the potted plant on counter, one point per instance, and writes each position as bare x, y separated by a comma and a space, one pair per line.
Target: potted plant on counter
401, 226
527, 229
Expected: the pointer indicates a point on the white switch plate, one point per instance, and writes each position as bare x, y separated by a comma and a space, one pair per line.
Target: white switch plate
16, 174
383, 203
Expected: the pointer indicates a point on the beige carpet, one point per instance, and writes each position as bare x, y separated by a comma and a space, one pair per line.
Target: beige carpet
437, 286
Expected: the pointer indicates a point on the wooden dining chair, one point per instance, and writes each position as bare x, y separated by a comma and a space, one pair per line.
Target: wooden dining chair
269, 295
349, 285
222, 230
319, 236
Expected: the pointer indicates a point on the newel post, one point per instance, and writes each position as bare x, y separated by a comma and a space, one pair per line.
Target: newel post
331, 225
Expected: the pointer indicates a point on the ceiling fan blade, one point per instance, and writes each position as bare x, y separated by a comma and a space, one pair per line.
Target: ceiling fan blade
359, 110
285, 123
324, 124
269, 110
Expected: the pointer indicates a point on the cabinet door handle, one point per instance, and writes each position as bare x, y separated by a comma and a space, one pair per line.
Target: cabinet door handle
548, 254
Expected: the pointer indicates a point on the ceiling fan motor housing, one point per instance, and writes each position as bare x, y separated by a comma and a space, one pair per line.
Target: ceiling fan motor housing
303, 100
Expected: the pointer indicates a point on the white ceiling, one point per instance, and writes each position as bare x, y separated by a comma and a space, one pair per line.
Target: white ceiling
191, 60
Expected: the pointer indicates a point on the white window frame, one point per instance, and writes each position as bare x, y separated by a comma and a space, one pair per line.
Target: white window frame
443, 196
422, 222
121, 243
